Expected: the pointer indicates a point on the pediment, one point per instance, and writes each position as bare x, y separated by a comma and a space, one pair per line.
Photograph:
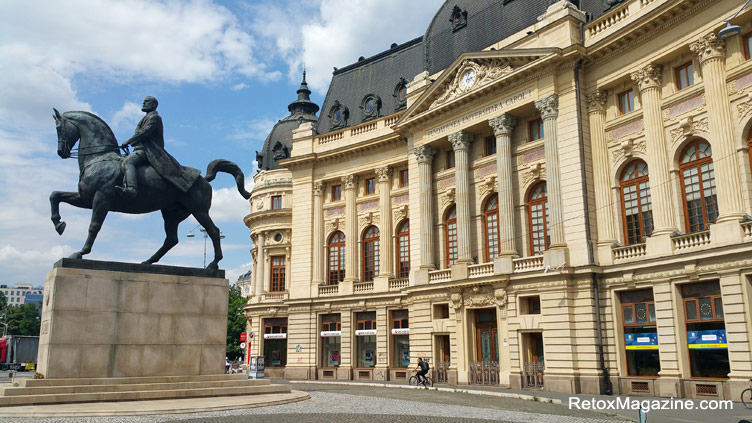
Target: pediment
487, 67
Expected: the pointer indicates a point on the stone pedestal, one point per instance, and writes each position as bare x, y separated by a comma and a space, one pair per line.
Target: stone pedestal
105, 319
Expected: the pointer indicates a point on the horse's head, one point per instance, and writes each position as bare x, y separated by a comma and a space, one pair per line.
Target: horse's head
67, 135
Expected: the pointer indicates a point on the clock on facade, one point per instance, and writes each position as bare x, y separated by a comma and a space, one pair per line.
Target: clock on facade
468, 79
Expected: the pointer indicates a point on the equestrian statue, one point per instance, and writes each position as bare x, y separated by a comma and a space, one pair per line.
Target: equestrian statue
146, 180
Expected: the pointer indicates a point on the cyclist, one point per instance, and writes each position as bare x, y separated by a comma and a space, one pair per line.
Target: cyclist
422, 369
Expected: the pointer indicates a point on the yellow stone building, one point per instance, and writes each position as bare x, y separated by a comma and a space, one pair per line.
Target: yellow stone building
533, 195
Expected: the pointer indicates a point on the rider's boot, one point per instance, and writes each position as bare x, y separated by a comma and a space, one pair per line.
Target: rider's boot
130, 190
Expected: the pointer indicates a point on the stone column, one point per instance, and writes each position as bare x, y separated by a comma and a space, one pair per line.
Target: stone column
604, 211
384, 175
461, 145
502, 128
711, 51
260, 279
424, 156
648, 80
549, 110
318, 233
350, 183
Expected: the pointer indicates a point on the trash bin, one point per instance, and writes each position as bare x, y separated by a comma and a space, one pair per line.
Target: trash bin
256, 367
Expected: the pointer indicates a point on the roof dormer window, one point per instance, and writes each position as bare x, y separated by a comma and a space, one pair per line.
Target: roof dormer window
458, 19
400, 94
371, 106
338, 115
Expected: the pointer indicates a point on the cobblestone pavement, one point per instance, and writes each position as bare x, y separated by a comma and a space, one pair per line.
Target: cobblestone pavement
332, 403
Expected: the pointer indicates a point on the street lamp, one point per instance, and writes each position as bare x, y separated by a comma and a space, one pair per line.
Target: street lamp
732, 30
192, 235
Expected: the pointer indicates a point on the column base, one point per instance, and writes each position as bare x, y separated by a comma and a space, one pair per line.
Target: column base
346, 287
556, 257
726, 232
381, 283
503, 265
659, 245
459, 271
605, 254
419, 277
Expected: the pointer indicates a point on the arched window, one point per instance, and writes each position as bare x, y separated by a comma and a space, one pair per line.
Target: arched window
403, 250
636, 208
491, 213
698, 186
370, 254
336, 259
450, 235
537, 214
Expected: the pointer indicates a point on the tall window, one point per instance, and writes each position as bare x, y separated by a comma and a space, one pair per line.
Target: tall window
640, 334
685, 76
403, 181
370, 186
491, 214
537, 211
626, 102
747, 45
331, 336
706, 330
278, 274
370, 253
450, 235
535, 129
490, 146
276, 202
450, 159
336, 258
365, 334
698, 186
336, 192
637, 210
403, 250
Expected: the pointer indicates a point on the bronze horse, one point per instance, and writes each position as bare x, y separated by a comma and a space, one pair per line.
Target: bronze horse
99, 160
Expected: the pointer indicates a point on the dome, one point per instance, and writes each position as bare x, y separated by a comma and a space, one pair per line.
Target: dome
278, 144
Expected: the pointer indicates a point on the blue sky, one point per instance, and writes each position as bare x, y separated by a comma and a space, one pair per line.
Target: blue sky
223, 73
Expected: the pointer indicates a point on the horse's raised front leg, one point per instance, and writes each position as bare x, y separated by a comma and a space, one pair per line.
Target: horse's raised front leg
213, 232
172, 219
58, 197
100, 206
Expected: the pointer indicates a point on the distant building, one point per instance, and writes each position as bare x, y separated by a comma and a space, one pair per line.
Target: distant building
245, 282
22, 293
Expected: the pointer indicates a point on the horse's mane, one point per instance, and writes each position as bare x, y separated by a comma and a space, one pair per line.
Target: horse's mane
74, 114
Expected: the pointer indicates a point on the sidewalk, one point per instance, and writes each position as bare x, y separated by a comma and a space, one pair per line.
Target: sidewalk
654, 416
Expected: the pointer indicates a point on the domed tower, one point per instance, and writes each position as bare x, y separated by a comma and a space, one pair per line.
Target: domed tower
270, 219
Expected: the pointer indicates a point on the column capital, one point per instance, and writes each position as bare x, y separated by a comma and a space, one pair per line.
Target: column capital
460, 140
648, 77
384, 174
350, 181
319, 188
424, 153
596, 101
708, 47
548, 106
502, 125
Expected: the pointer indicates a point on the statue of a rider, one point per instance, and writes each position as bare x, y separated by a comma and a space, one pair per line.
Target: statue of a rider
148, 146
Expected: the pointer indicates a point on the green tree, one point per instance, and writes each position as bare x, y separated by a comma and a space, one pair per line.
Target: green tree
23, 319
236, 322
3, 302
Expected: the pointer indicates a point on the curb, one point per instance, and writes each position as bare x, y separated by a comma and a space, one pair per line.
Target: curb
457, 390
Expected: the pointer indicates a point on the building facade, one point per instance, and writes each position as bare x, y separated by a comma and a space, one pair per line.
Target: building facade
22, 293
532, 195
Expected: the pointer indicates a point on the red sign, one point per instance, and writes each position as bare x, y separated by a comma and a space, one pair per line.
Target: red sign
243, 336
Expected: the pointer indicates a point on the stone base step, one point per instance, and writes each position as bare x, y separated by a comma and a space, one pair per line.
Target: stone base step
137, 390
129, 380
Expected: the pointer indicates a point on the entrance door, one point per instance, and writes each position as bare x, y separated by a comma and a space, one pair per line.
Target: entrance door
487, 339
485, 370
442, 359
535, 362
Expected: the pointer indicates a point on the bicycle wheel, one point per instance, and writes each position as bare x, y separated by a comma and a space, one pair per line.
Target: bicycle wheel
429, 382
413, 381
747, 397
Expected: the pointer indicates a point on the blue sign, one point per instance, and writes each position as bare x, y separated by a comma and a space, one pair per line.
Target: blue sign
704, 339
641, 341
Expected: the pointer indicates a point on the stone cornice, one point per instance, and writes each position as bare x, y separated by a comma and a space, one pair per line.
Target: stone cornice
383, 142
267, 216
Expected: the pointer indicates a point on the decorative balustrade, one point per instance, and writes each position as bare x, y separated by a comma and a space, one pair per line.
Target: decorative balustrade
440, 275
391, 120
362, 287
629, 252
362, 129
484, 372
480, 270
611, 19
334, 136
644, 3
278, 296
328, 289
526, 264
691, 240
397, 284
747, 228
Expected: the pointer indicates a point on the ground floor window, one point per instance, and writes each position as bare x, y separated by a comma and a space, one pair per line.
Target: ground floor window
365, 338
331, 340
706, 330
275, 342
640, 333
400, 339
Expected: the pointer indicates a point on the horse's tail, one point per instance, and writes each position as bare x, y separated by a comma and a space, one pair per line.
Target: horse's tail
227, 166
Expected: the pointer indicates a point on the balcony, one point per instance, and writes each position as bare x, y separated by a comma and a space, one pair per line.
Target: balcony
275, 296
398, 284
359, 288
692, 240
480, 270
747, 227
528, 264
442, 275
328, 290
629, 252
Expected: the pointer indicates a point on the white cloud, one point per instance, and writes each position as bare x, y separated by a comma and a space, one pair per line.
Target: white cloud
240, 87
255, 130
127, 117
227, 203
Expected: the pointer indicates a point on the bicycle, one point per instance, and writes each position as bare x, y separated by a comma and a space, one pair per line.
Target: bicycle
413, 381
747, 398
